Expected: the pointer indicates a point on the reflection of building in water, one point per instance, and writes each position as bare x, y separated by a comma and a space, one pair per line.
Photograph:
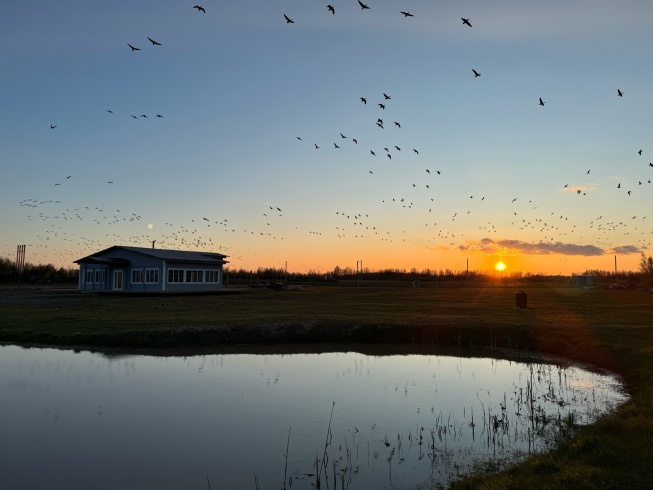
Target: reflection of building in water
147, 269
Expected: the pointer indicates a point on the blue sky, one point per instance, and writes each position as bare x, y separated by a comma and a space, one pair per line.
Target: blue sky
236, 87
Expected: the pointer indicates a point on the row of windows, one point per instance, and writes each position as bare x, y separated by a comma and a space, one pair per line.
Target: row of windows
193, 276
96, 276
151, 276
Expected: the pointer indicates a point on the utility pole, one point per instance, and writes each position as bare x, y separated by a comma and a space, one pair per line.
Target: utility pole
20, 262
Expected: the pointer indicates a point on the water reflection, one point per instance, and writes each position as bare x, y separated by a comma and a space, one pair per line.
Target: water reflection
88, 420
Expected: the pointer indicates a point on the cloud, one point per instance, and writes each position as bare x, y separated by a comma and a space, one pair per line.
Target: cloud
581, 188
517, 247
625, 250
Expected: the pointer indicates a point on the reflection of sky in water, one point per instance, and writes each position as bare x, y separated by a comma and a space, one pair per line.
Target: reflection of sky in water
90, 421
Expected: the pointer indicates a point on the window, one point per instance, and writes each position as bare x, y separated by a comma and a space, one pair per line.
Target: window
98, 276
212, 276
194, 276
175, 275
137, 276
89, 276
151, 276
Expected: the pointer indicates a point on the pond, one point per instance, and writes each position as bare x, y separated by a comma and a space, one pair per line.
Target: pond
77, 419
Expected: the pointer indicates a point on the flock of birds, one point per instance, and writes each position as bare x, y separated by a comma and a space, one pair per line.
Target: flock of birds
201, 232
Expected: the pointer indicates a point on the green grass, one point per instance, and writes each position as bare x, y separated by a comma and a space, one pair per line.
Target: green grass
608, 329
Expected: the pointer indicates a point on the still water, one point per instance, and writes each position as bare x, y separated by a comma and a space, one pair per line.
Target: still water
80, 420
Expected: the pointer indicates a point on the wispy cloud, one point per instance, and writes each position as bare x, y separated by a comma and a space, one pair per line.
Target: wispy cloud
488, 246
625, 250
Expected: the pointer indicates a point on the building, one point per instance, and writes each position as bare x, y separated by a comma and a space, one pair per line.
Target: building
147, 269
584, 281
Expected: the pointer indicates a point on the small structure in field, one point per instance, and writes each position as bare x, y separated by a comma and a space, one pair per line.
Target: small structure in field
584, 281
121, 268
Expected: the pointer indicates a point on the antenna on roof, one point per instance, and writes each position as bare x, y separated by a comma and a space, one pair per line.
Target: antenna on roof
153, 242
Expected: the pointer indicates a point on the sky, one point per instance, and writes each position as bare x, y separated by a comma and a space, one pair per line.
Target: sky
459, 167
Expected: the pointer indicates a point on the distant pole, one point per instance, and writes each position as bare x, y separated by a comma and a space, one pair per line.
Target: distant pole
20, 262
153, 242
357, 276
286, 272
467, 271
615, 266
361, 270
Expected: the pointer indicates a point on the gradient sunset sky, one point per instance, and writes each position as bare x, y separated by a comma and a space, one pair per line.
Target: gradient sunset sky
245, 98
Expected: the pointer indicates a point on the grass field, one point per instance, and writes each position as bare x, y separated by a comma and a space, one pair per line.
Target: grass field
604, 329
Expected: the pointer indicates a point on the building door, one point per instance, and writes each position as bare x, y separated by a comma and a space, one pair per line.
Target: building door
117, 279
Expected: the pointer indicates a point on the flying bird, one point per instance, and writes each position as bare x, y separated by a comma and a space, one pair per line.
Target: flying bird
379, 125
135, 117
154, 43
354, 140
397, 124
316, 147
159, 115
364, 100
336, 145
288, 19
416, 152
640, 153
407, 14
331, 9
382, 106
466, 21
110, 112
52, 126
620, 93
386, 96
476, 73
342, 135
372, 153
109, 181
428, 171
133, 48
541, 101
199, 8
363, 6
299, 138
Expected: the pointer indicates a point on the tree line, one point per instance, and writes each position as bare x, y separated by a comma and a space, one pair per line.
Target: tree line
36, 273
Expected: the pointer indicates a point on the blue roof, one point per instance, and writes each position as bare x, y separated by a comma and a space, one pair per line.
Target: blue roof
163, 254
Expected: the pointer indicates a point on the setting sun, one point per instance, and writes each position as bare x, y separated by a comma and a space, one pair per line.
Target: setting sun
500, 266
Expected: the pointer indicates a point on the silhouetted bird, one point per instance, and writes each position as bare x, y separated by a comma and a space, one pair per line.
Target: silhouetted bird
386, 96
541, 101
52, 126
354, 140
428, 171
466, 21
640, 153
336, 145
135, 117
364, 100
372, 153
363, 6
620, 93
159, 115
316, 147
154, 43
133, 48
288, 19
407, 14
110, 112
331, 9
199, 8
342, 135
476, 73
381, 106
379, 125
619, 185
397, 124
417, 152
